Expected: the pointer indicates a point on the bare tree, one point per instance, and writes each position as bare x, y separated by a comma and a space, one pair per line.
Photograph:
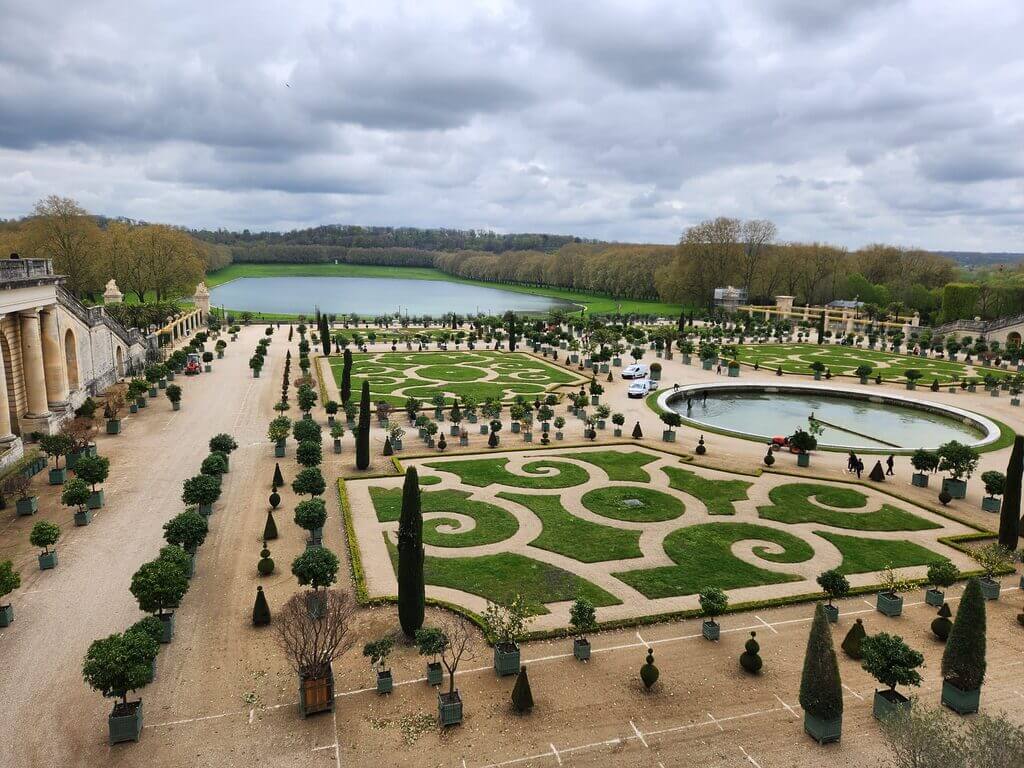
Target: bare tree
757, 236
456, 631
927, 737
311, 642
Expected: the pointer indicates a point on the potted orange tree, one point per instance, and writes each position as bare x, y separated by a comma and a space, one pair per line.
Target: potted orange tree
115, 666
45, 534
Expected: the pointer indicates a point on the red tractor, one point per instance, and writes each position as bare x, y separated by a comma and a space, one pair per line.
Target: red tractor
192, 367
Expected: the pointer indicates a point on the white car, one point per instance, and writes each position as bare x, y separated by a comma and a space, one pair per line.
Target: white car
636, 371
641, 388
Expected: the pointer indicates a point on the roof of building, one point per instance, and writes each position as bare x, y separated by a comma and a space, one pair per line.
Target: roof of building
845, 304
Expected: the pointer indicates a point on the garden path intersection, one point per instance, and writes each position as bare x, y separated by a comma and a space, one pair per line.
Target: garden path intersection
224, 695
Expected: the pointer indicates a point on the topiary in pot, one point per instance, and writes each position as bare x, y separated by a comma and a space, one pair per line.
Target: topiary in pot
749, 659
648, 672
854, 638
821, 692
265, 566
963, 663
522, 697
941, 625
260, 609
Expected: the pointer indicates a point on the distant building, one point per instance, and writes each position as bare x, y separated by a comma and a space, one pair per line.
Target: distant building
845, 304
730, 298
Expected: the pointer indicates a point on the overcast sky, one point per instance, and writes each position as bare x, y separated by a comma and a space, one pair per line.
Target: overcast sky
848, 122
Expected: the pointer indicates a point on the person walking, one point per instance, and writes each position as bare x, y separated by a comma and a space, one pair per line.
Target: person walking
889, 464
851, 462
719, 369
704, 400
860, 467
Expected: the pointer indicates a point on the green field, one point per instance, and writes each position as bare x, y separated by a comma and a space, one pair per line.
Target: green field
594, 303
842, 361
598, 507
396, 376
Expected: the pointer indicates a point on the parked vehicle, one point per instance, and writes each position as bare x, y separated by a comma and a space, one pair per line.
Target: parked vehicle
636, 371
641, 388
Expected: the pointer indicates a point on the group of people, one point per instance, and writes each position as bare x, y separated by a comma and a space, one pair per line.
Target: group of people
856, 464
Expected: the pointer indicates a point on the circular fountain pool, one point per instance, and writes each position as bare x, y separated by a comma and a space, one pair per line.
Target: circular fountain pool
850, 418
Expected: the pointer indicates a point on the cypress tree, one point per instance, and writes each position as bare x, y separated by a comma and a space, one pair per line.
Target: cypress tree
1009, 517
682, 322
260, 610
963, 662
411, 587
363, 436
522, 696
346, 377
325, 335
278, 478
821, 328
821, 690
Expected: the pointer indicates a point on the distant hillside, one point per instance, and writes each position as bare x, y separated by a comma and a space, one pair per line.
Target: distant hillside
980, 259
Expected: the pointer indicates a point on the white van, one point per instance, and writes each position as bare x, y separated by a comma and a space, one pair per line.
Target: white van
641, 388
636, 371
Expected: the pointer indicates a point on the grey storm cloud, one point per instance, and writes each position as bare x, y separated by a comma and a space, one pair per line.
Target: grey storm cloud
621, 119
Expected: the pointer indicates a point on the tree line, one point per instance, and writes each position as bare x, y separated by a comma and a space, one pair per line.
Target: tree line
146, 259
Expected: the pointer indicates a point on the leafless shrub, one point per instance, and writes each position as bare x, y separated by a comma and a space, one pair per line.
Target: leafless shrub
313, 639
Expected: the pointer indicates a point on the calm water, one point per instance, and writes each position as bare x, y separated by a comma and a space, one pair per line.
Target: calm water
373, 296
773, 414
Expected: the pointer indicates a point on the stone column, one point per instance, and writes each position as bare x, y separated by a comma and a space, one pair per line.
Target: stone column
53, 360
32, 364
6, 434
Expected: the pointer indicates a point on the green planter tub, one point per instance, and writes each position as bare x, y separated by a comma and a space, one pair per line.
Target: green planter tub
989, 588
6, 615
167, 620
48, 560
823, 731
668, 435
961, 702
888, 702
449, 708
955, 488
83, 518
581, 648
385, 682
711, 629
803, 459
832, 613
113, 426
279, 449
919, 480
206, 509
890, 605
96, 499
125, 724
27, 506
934, 597
988, 503
435, 673
506, 659
58, 476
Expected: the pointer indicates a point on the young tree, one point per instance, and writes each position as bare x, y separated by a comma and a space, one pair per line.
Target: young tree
311, 514
312, 642
92, 469
159, 585
203, 490
223, 443
316, 568
44, 534
187, 530
214, 465
891, 661
309, 480
55, 446
310, 453
411, 584
75, 493
363, 429
120, 663
456, 632
834, 584
821, 691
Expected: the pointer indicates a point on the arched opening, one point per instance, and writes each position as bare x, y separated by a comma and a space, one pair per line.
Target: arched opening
119, 359
12, 405
71, 359
1013, 339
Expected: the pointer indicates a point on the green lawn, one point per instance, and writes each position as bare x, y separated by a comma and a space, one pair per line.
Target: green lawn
717, 495
574, 537
842, 361
795, 503
493, 523
612, 502
594, 303
395, 376
499, 578
867, 555
484, 472
618, 465
703, 558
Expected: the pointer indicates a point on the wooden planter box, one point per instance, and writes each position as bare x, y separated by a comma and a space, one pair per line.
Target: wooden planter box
710, 629
316, 694
506, 660
581, 648
125, 724
449, 708
385, 683
890, 605
48, 560
934, 597
919, 479
888, 702
823, 731
832, 612
435, 673
989, 588
961, 702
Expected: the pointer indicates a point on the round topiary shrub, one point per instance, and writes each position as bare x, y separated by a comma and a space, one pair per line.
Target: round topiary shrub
945, 497
648, 672
942, 625
266, 565
749, 659
854, 638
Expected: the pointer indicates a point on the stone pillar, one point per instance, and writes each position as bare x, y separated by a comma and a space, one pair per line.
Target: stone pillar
6, 433
32, 364
112, 295
202, 301
53, 360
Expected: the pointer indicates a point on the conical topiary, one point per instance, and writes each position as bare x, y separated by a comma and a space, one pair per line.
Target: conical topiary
963, 663
749, 659
942, 625
522, 697
492, 440
278, 477
275, 498
853, 639
265, 566
388, 450
648, 672
270, 528
637, 432
260, 610
821, 689
877, 473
